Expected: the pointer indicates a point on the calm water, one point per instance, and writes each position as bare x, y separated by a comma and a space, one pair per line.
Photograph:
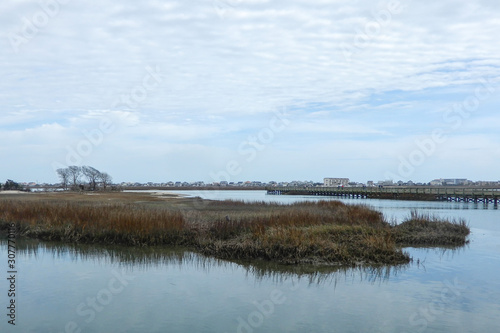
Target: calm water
63, 288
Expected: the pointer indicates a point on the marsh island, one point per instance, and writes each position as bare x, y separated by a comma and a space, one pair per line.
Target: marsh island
319, 232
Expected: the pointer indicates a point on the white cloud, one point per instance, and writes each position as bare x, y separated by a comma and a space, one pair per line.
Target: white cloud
229, 67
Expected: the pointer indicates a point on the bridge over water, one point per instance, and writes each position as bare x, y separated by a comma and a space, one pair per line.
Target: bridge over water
421, 193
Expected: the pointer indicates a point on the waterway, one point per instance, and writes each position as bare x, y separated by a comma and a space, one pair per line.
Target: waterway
68, 288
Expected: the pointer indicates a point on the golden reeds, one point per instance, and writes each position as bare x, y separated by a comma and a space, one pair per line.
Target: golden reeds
325, 232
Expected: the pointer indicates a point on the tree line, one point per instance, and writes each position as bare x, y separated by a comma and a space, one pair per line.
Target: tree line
71, 177
11, 185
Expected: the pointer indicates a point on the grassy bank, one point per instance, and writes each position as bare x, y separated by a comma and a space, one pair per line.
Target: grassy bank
323, 232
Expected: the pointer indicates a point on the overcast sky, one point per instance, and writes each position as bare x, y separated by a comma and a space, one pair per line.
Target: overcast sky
250, 89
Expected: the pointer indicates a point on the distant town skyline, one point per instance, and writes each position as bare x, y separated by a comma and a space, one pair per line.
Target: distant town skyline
257, 183
238, 90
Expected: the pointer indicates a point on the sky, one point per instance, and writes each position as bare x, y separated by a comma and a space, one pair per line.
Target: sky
237, 90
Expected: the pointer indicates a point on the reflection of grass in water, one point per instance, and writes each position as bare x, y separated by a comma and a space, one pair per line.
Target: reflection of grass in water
154, 257
136, 257
322, 232
314, 274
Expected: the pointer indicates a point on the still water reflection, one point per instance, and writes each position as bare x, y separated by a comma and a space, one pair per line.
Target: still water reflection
68, 288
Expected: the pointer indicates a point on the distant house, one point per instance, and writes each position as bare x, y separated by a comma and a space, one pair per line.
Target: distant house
385, 183
437, 182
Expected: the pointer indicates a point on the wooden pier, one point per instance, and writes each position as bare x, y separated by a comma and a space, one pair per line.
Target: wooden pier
420, 193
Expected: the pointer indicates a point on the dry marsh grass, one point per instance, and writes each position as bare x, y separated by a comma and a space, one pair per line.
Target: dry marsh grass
426, 230
113, 223
322, 232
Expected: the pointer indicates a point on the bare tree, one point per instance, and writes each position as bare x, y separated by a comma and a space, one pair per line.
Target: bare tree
92, 175
75, 173
105, 179
64, 176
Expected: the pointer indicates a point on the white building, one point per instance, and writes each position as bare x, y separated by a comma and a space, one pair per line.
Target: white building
455, 182
334, 182
437, 182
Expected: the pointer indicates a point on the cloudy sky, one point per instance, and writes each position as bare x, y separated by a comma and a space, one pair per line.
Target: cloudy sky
250, 89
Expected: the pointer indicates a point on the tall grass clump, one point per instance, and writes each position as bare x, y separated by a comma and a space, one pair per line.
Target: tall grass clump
326, 232
426, 230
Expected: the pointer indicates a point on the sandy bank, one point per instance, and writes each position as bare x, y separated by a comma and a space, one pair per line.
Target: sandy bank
12, 192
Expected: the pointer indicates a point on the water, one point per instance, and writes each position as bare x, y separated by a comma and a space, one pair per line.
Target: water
63, 288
